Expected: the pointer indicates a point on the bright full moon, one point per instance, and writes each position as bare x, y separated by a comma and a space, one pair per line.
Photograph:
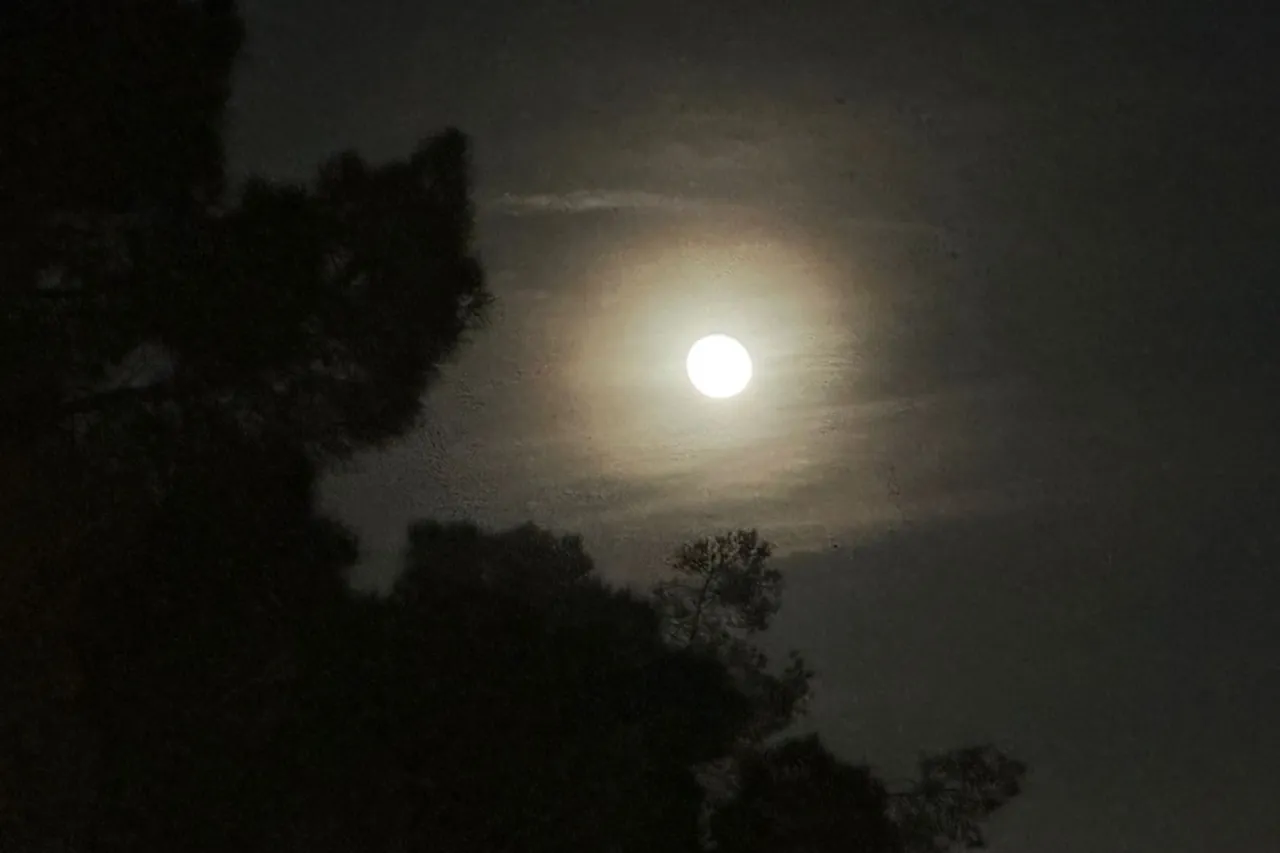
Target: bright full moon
719, 366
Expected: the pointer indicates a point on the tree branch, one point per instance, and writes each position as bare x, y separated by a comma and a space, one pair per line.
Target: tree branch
697, 611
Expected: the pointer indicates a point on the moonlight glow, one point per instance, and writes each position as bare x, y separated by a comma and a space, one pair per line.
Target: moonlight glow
719, 366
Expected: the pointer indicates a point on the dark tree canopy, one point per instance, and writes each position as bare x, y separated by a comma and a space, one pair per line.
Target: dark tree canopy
546, 714
141, 301
326, 721
796, 797
955, 793
111, 107
145, 704
525, 562
721, 592
608, 720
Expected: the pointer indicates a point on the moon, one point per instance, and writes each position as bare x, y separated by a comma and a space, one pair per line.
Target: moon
719, 366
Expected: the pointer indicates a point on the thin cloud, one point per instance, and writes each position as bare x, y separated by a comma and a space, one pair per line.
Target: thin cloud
604, 200
591, 201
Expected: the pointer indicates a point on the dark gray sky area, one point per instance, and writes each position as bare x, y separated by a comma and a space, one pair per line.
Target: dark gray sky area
1008, 274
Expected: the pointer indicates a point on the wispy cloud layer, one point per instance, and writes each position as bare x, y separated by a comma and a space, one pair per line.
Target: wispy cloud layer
589, 201
603, 200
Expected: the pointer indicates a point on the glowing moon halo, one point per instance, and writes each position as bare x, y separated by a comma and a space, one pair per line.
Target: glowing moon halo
718, 366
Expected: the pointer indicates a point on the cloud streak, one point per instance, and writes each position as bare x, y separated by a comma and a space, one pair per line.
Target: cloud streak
591, 201
606, 200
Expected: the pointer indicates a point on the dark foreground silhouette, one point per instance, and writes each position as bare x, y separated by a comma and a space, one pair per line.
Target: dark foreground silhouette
183, 664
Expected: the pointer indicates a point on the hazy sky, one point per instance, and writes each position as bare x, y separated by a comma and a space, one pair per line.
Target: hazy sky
1008, 273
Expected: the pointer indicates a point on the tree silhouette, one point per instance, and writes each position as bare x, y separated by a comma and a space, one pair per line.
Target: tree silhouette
141, 302
525, 562
771, 794
175, 358
956, 792
111, 108
722, 586
797, 796
171, 642
503, 721
721, 594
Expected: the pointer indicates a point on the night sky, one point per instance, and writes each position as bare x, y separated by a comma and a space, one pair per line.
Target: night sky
1008, 273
